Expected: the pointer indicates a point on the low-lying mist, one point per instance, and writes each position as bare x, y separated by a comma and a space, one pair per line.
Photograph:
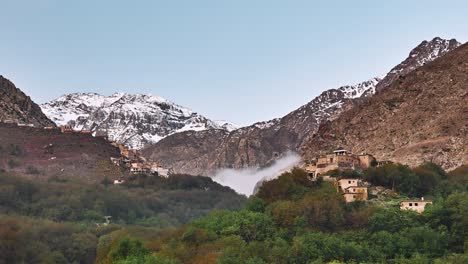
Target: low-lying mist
243, 181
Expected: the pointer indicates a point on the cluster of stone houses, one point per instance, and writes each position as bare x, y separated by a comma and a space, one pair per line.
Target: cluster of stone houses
352, 189
69, 129
137, 164
339, 159
129, 158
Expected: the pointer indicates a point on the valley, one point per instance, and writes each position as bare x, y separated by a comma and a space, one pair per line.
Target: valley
369, 173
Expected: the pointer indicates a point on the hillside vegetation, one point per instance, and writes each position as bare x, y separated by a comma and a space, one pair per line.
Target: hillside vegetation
293, 220
62, 219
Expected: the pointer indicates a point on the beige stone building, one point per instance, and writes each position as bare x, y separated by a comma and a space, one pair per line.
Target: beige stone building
355, 193
352, 190
415, 205
343, 184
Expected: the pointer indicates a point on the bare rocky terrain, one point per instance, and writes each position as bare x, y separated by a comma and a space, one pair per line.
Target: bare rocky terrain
422, 116
17, 107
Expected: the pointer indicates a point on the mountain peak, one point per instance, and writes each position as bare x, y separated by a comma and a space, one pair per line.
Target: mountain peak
425, 52
132, 119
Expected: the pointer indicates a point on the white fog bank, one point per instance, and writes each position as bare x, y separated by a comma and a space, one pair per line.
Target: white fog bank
243, 181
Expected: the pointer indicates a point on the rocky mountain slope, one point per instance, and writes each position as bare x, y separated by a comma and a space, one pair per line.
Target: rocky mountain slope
256, 145
425, 52
17, 107
260, 144
136, 120
422, 116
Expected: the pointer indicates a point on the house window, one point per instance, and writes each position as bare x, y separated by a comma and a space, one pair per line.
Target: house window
410, 204
415, 204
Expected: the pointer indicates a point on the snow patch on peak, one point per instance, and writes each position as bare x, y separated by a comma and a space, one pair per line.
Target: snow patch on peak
226, 125
136, 120
360, 89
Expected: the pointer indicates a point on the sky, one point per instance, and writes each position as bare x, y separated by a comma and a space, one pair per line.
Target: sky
243, 61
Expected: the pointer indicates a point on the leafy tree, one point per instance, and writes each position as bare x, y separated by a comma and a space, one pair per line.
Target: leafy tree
290, 185
323, 208
255, 204
128, 247
392, 220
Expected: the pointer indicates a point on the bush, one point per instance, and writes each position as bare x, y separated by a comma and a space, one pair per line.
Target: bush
15, 150
13, 163
129, 248
32, 170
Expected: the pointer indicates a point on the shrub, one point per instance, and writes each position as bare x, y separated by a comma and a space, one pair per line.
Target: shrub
15, 150
32, 170
13, 163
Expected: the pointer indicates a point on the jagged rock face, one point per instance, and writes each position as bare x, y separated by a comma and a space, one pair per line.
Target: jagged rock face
17, 107
133, 119
420, 117
425, 52
257, 145
262, 143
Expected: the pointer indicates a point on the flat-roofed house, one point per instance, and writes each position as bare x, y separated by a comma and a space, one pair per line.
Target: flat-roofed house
355, 193
345, 183
415, 205
66, 129
139, 168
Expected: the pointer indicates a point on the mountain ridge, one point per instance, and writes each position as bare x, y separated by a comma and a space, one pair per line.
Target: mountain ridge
263, 142
421, 117
132, 119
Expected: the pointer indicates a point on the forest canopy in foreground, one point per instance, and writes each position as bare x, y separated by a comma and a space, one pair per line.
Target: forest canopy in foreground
290, 220
294, 220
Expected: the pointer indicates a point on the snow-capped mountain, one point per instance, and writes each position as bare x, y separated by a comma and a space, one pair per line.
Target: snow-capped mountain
135, 120
261, 143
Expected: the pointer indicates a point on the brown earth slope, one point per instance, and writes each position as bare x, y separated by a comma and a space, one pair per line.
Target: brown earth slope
17, 107
420, 117
35, 152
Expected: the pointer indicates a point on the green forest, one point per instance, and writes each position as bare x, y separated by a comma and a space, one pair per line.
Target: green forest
61, 220
185, 219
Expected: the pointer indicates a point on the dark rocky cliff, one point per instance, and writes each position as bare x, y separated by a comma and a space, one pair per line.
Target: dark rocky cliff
17, 107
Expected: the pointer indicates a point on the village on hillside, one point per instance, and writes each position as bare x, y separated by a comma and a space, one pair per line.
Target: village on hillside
129, 159
352, 189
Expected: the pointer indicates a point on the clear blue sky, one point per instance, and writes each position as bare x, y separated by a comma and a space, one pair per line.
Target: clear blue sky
239, 60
